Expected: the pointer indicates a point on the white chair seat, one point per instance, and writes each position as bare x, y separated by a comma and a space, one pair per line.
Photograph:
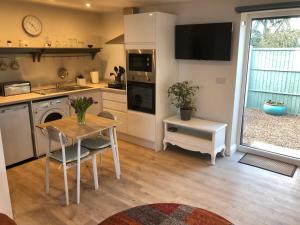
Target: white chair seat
71, 154
96, 143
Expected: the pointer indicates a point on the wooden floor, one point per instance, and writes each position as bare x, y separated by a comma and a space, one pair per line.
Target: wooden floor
242, 194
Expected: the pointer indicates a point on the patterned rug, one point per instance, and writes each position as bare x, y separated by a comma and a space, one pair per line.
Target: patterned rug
165, 214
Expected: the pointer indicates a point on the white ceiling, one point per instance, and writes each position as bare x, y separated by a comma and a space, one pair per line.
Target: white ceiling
102, 5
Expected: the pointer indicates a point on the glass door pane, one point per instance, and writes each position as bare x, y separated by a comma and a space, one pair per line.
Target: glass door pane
271, 119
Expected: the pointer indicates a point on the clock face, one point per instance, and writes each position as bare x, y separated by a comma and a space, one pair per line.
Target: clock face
32, 25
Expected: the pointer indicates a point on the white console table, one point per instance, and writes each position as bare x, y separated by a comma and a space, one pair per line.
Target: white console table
196, 135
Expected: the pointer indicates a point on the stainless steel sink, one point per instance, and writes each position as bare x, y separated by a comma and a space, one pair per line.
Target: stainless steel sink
73, 88
61, 89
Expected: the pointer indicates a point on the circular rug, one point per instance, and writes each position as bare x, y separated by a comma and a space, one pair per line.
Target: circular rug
165, 214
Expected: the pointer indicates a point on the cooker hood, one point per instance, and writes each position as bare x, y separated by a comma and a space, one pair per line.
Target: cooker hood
120, 39
117, 40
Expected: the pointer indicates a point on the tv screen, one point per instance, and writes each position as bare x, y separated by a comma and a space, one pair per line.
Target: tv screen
203, 41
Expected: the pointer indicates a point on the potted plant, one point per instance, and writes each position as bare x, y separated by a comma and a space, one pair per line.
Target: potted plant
274, 108
181, 95
81, 104
80, 80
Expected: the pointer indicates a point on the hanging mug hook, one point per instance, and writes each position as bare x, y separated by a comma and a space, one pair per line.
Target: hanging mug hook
3, 65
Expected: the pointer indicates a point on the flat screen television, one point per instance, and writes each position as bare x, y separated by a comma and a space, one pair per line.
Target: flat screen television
203, 41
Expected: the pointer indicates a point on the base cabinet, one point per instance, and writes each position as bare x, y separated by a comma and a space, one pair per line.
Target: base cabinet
116, 104
122, 117
141, 125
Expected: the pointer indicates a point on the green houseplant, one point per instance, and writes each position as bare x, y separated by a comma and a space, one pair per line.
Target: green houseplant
181, 95
81, 104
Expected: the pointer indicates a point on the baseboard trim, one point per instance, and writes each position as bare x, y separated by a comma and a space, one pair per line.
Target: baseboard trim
137, 141
231, 150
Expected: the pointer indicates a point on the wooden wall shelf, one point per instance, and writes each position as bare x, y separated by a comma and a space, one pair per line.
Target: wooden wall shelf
37, 53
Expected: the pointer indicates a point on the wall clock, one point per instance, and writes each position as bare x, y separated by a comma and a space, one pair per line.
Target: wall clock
32, 25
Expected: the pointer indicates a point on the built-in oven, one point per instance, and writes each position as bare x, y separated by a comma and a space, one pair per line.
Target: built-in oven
141, 96
140, 65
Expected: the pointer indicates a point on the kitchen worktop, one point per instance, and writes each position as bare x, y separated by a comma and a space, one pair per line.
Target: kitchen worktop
8, 100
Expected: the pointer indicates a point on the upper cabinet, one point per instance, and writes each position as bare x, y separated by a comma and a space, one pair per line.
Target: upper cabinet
140, 28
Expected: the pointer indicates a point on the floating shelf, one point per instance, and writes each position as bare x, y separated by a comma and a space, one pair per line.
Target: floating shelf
37, 53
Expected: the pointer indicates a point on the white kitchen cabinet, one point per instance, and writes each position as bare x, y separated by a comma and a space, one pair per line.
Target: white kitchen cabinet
116, 104
114, 97
119, 106
96, 95
154, 31
142, 125
140, 28
121, 117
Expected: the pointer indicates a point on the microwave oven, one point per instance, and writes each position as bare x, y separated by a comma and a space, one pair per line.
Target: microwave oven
140, 65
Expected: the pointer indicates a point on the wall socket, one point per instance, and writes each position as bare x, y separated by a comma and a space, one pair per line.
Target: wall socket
220, 80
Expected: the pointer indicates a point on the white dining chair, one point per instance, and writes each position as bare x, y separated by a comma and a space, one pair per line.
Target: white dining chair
102, 142
66, 156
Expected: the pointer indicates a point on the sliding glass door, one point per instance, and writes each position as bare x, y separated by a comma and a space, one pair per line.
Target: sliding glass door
270, 113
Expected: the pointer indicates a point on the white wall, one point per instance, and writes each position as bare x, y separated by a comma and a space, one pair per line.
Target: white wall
58, 23
214, 101
5, 205
111, 26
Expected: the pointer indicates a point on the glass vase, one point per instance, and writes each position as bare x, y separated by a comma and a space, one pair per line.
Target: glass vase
81, 118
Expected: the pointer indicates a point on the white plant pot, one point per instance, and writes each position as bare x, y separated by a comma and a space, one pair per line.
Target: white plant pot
81, 81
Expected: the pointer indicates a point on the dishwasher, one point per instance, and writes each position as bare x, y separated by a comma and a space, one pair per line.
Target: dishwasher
16, 133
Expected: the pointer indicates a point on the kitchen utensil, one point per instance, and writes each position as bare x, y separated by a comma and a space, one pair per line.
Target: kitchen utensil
14, 65
119, 72
3, 66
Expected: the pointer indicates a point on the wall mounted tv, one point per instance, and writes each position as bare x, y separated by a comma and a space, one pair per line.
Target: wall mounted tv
203, 41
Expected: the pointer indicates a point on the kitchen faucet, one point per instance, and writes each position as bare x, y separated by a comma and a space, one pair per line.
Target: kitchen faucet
62, 73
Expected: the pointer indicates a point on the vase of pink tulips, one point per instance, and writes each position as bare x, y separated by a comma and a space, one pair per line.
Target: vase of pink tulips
81, 104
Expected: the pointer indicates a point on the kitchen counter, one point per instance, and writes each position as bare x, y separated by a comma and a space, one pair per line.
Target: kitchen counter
9, 100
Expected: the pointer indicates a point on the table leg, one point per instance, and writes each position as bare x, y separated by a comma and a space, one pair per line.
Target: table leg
116, 144
78, 170
114, 152
47, 174
95, 171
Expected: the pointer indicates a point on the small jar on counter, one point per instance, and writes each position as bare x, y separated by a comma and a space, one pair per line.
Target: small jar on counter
9, 43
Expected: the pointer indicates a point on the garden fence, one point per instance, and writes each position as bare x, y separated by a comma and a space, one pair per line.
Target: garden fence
274, 74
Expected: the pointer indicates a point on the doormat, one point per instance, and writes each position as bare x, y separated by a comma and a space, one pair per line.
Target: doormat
269, 164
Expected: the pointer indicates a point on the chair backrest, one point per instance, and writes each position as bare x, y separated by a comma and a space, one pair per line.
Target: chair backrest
107, 115
55, 134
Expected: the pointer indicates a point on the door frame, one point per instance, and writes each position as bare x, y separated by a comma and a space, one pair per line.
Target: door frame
246, 21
